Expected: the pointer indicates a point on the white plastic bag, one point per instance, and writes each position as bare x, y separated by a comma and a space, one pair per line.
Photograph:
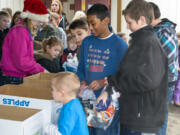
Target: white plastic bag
98, 115
72, 63
56, 110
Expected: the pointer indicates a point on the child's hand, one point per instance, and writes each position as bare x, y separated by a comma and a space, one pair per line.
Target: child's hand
96, 84
83, 83
82, 87
103, 97
45, 71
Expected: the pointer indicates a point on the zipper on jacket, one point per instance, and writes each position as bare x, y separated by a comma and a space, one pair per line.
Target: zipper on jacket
139, 115
140, 104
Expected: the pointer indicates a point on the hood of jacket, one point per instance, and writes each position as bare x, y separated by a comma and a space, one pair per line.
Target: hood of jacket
41, 55
167, 23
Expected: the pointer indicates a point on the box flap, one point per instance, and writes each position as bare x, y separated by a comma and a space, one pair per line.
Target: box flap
40, 76
35, 86
27, 90
16, 113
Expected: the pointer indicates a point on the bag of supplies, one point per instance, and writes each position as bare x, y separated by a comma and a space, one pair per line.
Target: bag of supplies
99, 115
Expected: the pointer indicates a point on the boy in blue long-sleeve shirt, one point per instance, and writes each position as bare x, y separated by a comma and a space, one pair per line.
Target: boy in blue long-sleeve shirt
72, 120
100, 56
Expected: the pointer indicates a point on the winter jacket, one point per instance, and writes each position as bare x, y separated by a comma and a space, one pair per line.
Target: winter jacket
50, 64
45, 32
17, 53
2, 36
60, 33
165, 31
63, 22
142, 81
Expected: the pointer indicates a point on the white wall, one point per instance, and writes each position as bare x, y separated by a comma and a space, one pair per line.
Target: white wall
66, 9
169, 9
114, 14
19, 4
13, 4
123, 24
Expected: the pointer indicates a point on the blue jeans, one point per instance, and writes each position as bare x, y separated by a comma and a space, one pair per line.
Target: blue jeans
9, 80
113, 129
169, 98
126, 131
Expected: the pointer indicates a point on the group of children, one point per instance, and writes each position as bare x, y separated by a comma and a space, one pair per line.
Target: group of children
140, 73
139, 76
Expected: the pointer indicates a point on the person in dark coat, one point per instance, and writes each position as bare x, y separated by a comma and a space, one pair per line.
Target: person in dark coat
4, 20
142, 79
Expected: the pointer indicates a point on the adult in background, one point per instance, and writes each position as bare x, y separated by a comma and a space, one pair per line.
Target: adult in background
56, 6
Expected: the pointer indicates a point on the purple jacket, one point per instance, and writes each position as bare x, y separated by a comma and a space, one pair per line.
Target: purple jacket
17, 53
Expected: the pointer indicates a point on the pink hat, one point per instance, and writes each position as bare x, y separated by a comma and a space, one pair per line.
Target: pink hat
35, 10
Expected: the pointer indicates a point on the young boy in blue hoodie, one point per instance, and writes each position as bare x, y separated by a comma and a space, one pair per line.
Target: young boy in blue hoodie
100, 56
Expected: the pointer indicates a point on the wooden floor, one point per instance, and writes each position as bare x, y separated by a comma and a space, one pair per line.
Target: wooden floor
174, 120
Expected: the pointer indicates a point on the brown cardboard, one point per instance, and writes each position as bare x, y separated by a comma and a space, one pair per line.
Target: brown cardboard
16, 113
25, 90
34, 93
35, 86
40, 76
39, 80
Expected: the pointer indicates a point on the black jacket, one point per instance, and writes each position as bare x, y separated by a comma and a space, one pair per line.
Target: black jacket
2, 36
63, 22
52, 65
142, 81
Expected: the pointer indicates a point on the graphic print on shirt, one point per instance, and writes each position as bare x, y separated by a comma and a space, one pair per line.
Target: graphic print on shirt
97, 59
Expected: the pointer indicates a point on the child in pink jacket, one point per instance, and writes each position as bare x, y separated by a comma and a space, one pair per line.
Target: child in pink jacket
17, 52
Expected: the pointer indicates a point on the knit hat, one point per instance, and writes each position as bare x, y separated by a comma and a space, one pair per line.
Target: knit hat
35, 10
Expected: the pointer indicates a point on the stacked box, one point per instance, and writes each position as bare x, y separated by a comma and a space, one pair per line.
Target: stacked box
20, 121
34, 93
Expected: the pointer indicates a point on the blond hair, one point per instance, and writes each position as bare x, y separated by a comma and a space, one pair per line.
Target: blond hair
68, 82
60, 6
55, 15
78, 15
8, 10
30, 26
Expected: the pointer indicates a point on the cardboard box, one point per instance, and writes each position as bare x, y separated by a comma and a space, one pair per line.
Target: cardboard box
40, 76
39, 80
35, 93
20, 121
